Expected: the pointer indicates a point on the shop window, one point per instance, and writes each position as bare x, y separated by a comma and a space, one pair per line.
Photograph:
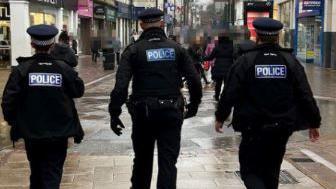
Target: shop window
49, 19
4, 44
285, 18
42, 18
309, 39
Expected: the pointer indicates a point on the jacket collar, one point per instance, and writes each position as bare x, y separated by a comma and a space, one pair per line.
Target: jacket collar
273, 47
153, 33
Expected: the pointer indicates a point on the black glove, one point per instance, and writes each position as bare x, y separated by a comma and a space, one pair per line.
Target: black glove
191, 111
116, 125
78, 139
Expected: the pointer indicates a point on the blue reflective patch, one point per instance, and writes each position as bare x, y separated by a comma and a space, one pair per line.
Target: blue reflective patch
45, 79
271, 71
165, 54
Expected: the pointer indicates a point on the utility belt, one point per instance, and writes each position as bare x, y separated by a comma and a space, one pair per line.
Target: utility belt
146, 105
268, 127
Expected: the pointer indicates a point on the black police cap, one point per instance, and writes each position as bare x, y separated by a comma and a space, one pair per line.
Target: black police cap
42, 35
267, 26
151, 15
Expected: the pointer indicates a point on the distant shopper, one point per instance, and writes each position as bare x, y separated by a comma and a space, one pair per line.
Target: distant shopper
244, 46
196, 52
95, 46
74, 45
62, 50
117, 48
207, 65
223, 53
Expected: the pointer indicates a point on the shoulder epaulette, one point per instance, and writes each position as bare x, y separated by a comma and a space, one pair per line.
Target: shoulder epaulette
21, 60
289, 50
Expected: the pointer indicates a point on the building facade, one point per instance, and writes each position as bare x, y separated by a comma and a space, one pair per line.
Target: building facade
5, 40
314, 34
125, 21
24, 13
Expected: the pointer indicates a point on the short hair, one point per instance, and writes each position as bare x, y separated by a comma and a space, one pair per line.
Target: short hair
151, 24
42, 48
268, 38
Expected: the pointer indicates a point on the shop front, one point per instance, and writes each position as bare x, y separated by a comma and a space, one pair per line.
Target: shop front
136, 12
286, 15
255, 9
45, 12
5, 44
124, 23
85, 14
309, 31
111, 17
69, 16
98, 20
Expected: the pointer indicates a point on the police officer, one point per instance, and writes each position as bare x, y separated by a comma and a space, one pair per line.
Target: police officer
38, 104
271, 96
156, 65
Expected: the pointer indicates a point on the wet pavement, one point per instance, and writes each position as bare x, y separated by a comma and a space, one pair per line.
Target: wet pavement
208, 159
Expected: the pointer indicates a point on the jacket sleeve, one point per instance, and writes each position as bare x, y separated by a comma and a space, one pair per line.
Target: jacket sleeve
305, 97
232, 90
73, 62
11, 95
193, 79
120, 92
74, 84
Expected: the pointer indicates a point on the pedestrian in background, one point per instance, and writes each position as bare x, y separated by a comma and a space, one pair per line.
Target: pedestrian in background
271, 96
117, 48
195, 51
223, 53
156, 105
95, 47
74, 44
208, 65
62, 50
244, 45
38, 105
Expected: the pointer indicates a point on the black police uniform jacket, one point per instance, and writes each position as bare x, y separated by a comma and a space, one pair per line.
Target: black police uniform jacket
268, 86
156, 65
38, 99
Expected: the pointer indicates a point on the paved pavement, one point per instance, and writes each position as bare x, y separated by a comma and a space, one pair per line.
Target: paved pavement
208, 160
3, 78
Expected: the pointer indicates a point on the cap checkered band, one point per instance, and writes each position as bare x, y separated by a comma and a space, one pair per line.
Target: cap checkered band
262, 32
43, 42
151, 20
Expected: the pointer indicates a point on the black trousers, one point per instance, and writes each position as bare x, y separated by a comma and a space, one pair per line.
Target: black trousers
46, 159
162, 127
94, 55
260, 156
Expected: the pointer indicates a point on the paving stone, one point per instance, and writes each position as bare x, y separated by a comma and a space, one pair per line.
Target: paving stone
222, 167
196, 184
114, 185
84, 178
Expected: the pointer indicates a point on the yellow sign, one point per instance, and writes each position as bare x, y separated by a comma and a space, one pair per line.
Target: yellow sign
310, 54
